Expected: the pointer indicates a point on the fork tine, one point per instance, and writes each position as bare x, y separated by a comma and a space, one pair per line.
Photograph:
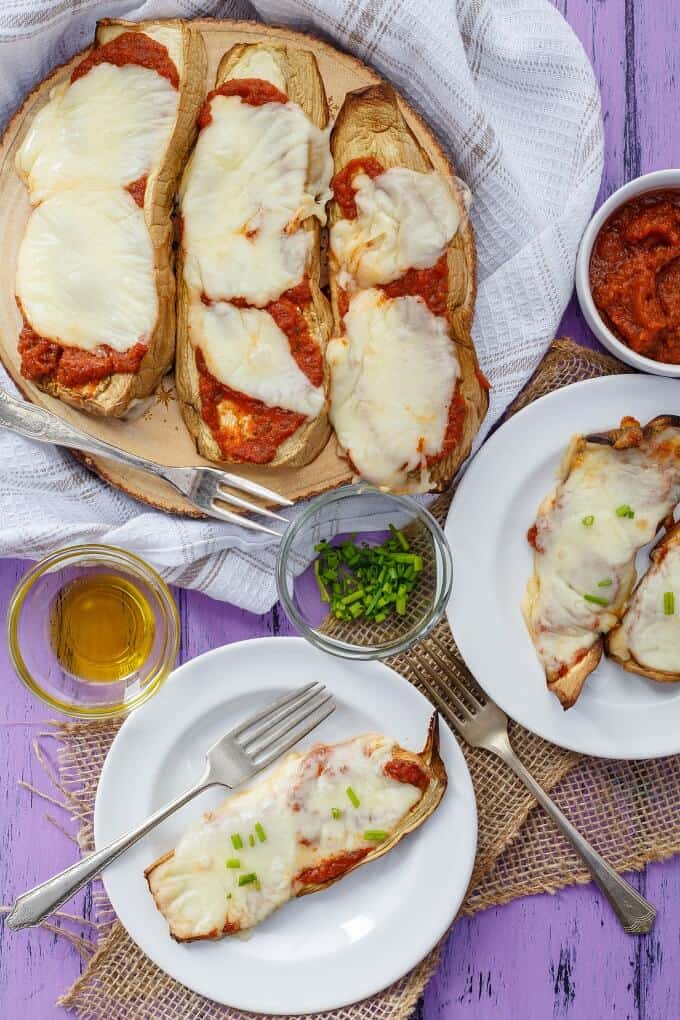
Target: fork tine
458, 702
277, 717
298, 734
432, 691
243, 522
228, 497
471, 690
273, 707
279, 732
252, 488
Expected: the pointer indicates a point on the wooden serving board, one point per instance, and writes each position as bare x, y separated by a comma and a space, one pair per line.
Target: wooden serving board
159, 433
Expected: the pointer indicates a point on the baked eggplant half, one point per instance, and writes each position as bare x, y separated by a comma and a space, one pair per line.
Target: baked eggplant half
407, 396
321, 814
615, 491
647, 641
101, 160
252, 321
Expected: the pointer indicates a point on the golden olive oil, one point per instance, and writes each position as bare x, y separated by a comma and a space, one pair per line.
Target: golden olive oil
101, 627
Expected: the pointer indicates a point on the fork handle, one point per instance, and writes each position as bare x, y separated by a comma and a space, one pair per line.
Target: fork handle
634, 912
34, 906
44, 427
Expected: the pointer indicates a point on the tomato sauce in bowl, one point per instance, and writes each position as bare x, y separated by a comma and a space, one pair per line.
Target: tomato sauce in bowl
634, 274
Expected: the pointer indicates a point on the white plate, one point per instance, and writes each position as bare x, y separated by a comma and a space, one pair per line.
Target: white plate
618, 715
323, 951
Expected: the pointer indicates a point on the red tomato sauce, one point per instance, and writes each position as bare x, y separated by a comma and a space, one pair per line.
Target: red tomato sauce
255, 430
432, 285
131, 48
253, 91
332, 868
70, 366
635, 274
138, 190
343, 183
406, 772
454, 427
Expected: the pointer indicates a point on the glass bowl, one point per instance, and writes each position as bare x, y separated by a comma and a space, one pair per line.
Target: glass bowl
362, 513
30, 627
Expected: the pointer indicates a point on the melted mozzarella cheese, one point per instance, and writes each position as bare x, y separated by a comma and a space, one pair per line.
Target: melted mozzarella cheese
651, 634
85, 272
199, 895
259, 62
256, 173
245, 349
392, 378
108, 128
574, 560
405, 220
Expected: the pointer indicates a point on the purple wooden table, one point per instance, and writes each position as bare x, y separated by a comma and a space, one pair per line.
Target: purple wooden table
563, 956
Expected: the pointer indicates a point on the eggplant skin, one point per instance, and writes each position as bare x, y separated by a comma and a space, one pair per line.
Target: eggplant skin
567, 683
616, 643
304, 86
429, 760
112, 396
371, 123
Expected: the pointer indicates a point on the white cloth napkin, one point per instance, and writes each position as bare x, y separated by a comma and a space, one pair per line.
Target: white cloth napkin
507, 87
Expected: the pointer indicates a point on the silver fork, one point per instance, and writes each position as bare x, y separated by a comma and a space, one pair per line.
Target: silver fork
205, 487
483, 724
237, 756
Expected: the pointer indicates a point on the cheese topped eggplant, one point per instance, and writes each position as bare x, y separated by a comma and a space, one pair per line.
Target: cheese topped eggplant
647, 641
318, 816
107, 128
252, 321
94, 283
393, 373
256, 173
406, 393
405, 220
616, 490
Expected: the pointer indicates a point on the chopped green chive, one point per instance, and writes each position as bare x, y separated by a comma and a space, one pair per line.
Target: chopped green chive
669, 603
237, 842
261, 834
336, 812
607, 583
323, 590
251, 839
353, 797
228, 895
233, 862
625, 511
588, 521
399, 535
597, 600
364, 581
376, 835
247, 879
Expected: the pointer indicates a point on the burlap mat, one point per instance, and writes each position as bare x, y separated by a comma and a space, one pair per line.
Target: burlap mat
629, 810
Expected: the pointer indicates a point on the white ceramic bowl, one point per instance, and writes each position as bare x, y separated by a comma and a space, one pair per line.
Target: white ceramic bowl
659, 179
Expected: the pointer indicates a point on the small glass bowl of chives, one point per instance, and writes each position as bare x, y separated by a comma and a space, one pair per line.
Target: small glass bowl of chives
364, 574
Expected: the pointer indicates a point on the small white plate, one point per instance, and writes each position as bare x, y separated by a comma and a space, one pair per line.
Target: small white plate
323, 951
618, 715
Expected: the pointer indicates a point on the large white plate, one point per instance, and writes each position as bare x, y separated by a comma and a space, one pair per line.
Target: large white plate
618, 715
323, 951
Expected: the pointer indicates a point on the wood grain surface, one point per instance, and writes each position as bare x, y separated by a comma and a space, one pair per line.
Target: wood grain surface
561, 957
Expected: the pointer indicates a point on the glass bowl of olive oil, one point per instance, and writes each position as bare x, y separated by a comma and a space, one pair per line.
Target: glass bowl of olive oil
93, 631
